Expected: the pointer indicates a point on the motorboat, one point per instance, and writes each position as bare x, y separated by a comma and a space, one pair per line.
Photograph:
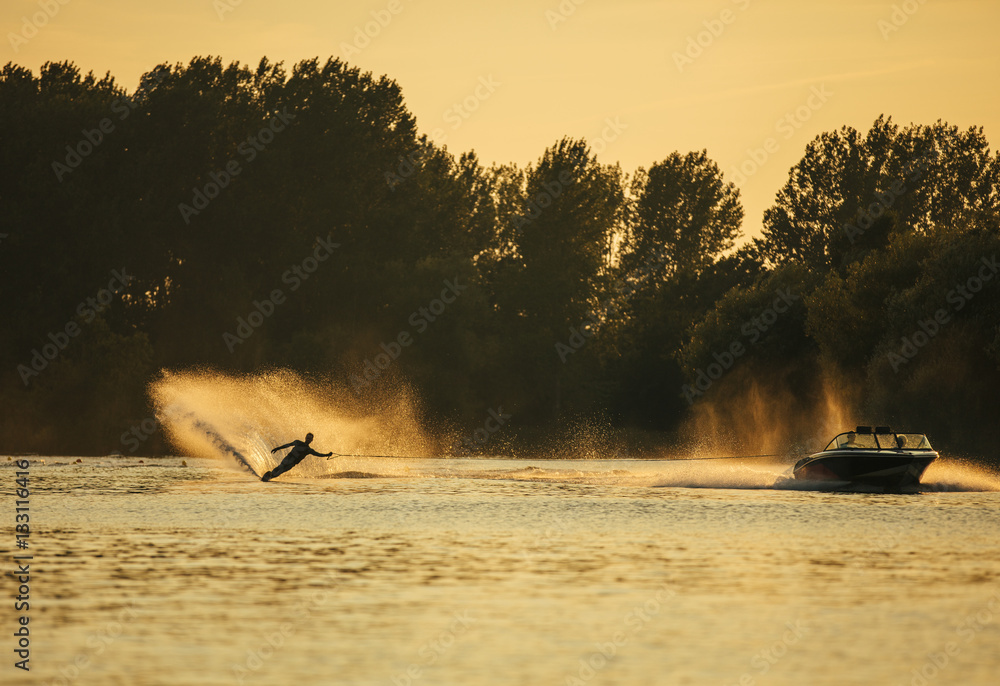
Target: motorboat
876, 458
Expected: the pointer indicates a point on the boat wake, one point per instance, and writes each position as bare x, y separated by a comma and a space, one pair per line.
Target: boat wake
665, 474
946, 475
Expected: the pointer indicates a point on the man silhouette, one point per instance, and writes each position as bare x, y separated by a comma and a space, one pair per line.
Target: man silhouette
300, 450
849, 443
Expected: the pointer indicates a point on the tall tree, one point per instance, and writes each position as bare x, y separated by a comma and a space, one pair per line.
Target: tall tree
850, 193
686, 215
557, 250
572, 206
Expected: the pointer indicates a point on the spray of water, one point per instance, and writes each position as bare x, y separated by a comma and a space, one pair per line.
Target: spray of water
752, 413
240, 418
953, 475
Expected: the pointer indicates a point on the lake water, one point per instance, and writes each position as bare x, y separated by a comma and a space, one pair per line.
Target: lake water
463, 571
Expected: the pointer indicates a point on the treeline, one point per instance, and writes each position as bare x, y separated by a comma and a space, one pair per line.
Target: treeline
246, 218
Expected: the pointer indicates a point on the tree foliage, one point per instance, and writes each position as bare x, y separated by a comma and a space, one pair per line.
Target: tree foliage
851, 194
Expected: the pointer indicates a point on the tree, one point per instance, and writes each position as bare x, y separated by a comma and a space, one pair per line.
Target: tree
850, 194
685, 215
556, 223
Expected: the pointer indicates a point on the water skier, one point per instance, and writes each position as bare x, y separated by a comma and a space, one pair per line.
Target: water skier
300, 450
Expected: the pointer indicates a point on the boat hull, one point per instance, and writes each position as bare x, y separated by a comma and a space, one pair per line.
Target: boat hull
884, 470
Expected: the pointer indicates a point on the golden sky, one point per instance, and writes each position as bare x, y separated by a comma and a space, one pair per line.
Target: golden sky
751, 81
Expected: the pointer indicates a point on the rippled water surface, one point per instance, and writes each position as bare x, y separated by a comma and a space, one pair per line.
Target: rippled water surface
503, 572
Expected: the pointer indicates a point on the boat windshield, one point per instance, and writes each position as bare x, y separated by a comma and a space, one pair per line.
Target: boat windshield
913, 442
850, 439
853, 440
